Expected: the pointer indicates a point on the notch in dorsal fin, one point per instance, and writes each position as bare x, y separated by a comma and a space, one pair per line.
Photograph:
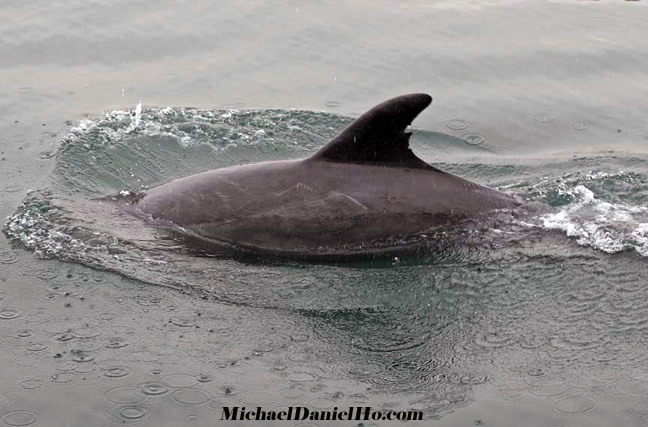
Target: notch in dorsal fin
378, 137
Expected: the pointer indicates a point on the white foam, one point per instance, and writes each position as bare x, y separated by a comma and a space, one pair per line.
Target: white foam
609, 227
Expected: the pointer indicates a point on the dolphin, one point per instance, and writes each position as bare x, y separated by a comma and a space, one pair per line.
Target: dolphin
364, 192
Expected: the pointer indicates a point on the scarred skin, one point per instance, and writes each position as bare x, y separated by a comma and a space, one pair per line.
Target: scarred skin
339, 198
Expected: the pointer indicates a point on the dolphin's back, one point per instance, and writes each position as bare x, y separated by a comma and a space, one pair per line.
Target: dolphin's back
364, 186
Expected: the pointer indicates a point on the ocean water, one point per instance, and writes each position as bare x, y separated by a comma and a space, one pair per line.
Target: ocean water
538, 319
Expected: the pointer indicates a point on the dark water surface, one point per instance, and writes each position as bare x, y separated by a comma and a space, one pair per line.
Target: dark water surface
539, 320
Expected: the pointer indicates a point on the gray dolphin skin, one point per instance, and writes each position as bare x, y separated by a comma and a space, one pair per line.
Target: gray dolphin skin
360, 193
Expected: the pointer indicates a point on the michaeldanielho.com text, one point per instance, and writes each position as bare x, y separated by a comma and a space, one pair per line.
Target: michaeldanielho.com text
300, 413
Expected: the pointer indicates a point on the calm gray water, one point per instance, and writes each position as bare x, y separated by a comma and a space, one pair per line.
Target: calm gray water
537, 321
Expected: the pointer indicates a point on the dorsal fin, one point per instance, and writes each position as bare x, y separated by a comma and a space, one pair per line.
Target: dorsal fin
378, 137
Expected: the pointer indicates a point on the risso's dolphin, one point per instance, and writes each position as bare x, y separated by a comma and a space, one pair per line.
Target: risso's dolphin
364, 192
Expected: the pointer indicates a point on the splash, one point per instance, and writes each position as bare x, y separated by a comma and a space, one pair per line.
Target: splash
609, 227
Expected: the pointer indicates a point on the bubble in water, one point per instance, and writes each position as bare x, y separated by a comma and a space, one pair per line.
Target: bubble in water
191, 396
575, 405
7, 313
125, 395
180, 380
474, 138
581, 126
19, 418
544, 117
457, 124
154, 388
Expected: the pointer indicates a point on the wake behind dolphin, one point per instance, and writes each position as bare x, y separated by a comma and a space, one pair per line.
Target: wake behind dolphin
365, 192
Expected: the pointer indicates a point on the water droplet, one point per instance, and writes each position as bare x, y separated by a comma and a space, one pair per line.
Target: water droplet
24, 333
575, 405
154, 388
457, 124
180, 380
124, 395
19, 418
191, 396
7, 313
474, 138
544, 117
581, 126
8, 256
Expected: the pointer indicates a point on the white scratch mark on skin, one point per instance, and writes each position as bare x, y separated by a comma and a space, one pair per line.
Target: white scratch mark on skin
299, 186
336, 194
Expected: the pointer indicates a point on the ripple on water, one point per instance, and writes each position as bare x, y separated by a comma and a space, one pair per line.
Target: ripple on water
580, 126
36, 346
154, 388
116, 371
116, 342
125, 395
61, 378
130, 414
457, 124
8, 313
544, 117
191, 396
259, 398
19, 418
474, 138
575, 405
548, 387
180, 380
292, 393
319, 403
31, 384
